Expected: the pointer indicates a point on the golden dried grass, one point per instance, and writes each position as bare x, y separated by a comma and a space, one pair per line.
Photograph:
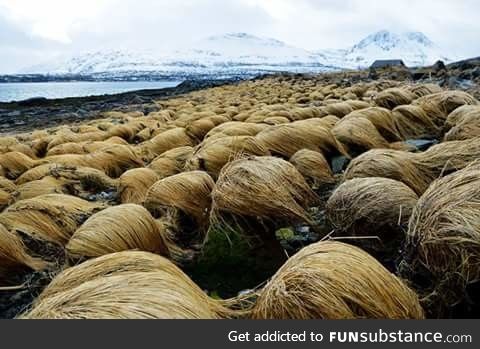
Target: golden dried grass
115, 229
213, 155
14, 256
53, 218
120, 286
372, 207
264, 187
332, 280
189, 192
444, 236
314, 168
171, 162
134, 184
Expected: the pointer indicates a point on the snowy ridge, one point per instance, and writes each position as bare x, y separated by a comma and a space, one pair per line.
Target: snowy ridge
241, 54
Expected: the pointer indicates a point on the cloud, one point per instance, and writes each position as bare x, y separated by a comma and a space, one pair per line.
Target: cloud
48, 27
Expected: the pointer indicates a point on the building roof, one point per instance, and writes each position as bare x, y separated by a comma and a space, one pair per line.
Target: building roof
382, 63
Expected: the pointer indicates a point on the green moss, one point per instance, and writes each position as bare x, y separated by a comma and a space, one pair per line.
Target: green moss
232, 261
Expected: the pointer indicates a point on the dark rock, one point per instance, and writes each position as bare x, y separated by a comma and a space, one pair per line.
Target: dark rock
339, 164
35, 101
421, 144
475, 73
438, 66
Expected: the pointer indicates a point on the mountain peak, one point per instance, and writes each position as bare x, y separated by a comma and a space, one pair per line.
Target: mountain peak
419, 37
246, 37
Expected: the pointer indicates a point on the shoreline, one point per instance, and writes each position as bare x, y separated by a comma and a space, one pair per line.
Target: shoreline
30, 114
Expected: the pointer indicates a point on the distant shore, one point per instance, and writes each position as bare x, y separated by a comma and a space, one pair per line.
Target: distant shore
31, 114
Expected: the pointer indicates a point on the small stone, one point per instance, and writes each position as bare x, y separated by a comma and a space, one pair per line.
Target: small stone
421, 144
339, 164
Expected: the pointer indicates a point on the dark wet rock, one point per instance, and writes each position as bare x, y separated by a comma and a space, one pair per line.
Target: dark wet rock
15, 301
35, 101
339, 164
438, 66
108, 196
421, 144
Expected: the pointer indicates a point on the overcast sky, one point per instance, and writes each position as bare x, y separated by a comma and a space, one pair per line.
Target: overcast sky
32, 31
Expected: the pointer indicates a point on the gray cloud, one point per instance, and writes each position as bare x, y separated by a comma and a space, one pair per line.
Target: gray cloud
162, 24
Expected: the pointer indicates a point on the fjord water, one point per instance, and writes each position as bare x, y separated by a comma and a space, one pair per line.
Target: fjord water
21, 91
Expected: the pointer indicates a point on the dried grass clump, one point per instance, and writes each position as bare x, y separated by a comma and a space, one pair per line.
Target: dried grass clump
421, 90
394, 164
443, 239
7, 185
264, 187
15, 164
213, 155
72, 137
461, 114
234, 128
445, 158
6, 199
127, 285
276, 120
52, 218
393, 97
314, 167
134, 184
372, 206
339, 109
467, 129
44, 186
189, 192
332, 280
358, 135
36, 173
14, 257
413, 122
447, 101
116, 229
171, 162
285, 140
199, 128
16, 146
382, 119
113, 160
84, 147
173, 138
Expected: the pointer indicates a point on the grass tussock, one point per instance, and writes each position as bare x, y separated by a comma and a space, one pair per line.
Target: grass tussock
393, 97
172, 161
443, 240
372, 207
285, 140
314, 168
108, 290
213, 155
264, 187
332, 280
14, 256
53, 218
189, 192
116, 229
134, 184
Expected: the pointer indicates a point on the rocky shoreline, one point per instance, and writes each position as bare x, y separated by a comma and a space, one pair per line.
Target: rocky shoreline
31, 114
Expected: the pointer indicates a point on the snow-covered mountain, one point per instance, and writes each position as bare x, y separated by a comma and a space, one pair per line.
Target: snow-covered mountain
241, 54
414, 48
234, 54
